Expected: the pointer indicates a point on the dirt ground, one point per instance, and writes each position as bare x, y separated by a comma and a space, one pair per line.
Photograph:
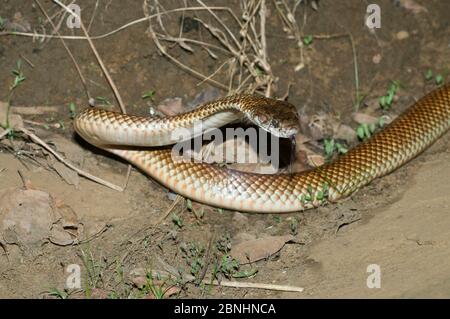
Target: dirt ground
399, 223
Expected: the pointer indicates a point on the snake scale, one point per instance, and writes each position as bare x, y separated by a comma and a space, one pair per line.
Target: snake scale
400, 141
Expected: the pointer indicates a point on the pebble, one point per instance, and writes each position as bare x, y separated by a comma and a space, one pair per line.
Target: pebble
402, 35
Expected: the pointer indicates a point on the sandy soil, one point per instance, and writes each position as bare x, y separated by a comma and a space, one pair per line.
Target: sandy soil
409, 240
399, 222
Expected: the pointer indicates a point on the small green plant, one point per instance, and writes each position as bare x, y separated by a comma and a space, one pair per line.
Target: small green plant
94, 271
231, 268
60, 294
223, 243
259, 71
149, 95
158, 291
72, 110
308, 197
438, 79
364, 131
322, 194
18, 75
177, 220
228, 265
197, 213
307, 40
386, 100
2, 23
331, 146
118, 271
113, 295
193, 253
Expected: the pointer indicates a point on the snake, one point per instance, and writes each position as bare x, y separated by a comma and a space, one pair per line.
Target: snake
142, 141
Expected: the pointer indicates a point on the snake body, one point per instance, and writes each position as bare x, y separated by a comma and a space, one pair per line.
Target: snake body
400, 141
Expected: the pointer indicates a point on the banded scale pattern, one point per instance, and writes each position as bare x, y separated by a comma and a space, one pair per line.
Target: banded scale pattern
406, 137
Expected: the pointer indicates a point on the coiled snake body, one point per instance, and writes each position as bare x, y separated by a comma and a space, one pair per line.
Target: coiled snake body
403, 139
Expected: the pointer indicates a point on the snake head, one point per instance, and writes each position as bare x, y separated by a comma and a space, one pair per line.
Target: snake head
277, 117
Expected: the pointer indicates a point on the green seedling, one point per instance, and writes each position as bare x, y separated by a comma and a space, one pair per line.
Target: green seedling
177, 220
386, 100
439, 80
149, 95
60, 294
72, 110
429, 75
331, 146
364, 131
307, 40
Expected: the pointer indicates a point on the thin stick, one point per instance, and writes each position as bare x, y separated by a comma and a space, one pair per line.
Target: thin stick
34, 110
233, 284
123, 27
92, 17
27, 60
105, 72
355, 61
177, 62
83, 80
37, 140
97, 56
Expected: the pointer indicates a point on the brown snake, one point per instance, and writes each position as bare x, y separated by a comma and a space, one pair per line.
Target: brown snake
407, 136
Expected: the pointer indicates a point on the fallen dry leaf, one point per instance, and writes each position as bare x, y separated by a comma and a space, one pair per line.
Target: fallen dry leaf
261, 248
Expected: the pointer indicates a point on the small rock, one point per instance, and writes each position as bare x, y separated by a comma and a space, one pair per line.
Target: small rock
376, 59
402, 35
362, 118
261, 248
139, 282
346, 133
